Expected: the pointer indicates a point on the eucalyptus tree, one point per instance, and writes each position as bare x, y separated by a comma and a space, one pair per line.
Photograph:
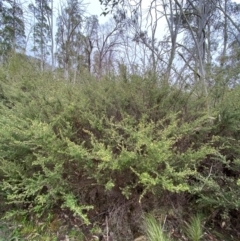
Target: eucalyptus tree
42, 13
52, 37
12, 28
196, 17
69, 35
198, 33
107, 48
173, 20
230, 12
154, 46
89, 38
229, 61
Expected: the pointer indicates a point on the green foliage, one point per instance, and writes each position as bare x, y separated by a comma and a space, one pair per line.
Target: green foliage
12, 29
154, 230
193, 229
60, 141
8, 232
32, 163
71, 203
220, 174
41, 30
50, 228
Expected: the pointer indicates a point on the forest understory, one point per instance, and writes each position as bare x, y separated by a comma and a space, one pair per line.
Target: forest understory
123, 158
124, 128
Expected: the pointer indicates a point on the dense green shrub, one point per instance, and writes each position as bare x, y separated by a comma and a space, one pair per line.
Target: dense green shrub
61, 144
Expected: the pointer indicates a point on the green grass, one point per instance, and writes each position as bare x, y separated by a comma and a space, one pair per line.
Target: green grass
154, 230
193, 229
8, 232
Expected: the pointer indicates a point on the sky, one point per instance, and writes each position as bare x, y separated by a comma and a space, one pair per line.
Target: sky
94, 8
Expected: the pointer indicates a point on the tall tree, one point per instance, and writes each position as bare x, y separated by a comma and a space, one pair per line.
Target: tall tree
196, 16
42, 29
52, 37
12, 28
69, 35
107, 45
229, 60
89, 38
173, 20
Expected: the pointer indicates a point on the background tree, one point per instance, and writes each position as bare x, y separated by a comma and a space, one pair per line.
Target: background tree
12, 28
69, 34
52, 37
195, 19
89, 38
42, 29
107, 45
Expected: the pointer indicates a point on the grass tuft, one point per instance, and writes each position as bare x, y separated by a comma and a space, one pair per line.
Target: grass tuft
193, 229
154, 230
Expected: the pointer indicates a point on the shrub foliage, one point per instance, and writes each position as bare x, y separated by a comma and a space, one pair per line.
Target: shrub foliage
63, 145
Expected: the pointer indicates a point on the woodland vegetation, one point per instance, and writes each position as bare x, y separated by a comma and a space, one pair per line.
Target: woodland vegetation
116, 130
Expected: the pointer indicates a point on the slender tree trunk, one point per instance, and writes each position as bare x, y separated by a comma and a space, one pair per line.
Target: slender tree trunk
225, 36
52, 38
66, 72
14, 26
199, 41
173, 28
42, 42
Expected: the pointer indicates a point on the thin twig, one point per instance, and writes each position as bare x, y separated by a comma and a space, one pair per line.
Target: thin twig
165, 219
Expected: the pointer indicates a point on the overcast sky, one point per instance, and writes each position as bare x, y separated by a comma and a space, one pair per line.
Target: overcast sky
95, 8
